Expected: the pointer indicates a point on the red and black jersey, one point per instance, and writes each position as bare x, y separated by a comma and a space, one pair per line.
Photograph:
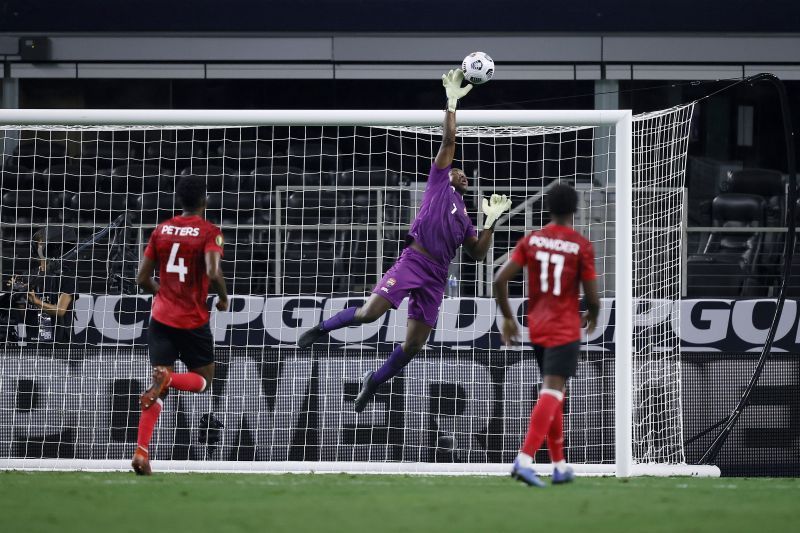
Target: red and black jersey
558, 258
179, 246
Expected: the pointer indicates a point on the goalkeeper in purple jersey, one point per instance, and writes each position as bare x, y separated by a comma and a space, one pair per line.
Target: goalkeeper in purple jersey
420, 273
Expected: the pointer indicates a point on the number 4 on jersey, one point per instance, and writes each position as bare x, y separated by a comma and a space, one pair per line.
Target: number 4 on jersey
179, 267
545, 259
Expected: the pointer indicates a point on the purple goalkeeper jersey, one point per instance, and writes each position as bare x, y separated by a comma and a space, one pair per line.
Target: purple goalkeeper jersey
442, 223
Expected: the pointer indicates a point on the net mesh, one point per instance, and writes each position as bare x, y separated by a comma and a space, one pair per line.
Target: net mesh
312, 218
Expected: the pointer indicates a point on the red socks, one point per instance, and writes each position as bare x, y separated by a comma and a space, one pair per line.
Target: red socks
188, 381
541, 419
555, 437
147, 422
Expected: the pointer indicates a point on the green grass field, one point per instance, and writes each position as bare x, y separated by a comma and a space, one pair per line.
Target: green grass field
119, 502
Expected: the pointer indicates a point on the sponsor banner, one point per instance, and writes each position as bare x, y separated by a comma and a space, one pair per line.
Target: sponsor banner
278, 406
705, 325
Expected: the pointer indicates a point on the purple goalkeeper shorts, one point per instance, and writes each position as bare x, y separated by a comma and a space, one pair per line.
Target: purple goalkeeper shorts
417, 275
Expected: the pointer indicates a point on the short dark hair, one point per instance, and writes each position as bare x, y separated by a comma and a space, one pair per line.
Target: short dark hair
55, 239
190, 191
562, 199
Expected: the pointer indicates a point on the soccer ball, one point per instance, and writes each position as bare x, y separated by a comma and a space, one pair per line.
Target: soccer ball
478, 68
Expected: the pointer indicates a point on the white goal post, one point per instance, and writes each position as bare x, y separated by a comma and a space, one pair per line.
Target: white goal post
624, 156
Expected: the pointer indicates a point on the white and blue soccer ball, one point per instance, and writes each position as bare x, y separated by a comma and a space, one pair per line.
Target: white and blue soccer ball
478, 68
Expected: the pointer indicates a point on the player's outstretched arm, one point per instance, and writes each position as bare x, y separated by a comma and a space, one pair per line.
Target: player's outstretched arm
592, 304
216, 279
144, 278
477, 247
509, 330
447, 150
452, 85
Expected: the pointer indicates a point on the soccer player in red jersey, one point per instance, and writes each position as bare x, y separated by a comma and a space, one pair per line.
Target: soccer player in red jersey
558, 260
188, 252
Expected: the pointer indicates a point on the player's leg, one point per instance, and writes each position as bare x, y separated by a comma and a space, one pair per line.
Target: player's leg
197, 379
423, 311
562, 473
196, 348
197, 353
417, 333
541, 416
163, 352
562, 361
389, 292
374, 308
557, 364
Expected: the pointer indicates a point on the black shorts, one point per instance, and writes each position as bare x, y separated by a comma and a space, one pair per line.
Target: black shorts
558, 360
195, 347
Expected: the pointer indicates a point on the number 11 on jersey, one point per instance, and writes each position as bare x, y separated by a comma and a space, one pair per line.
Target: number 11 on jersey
180, 267
545, 258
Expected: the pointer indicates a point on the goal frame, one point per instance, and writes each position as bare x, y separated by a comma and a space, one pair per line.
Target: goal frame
620, 120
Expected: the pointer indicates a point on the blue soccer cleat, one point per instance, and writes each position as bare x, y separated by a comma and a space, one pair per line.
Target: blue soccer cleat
526, 475
563, 477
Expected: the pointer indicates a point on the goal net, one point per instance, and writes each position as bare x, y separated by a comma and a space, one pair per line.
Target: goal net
314, 208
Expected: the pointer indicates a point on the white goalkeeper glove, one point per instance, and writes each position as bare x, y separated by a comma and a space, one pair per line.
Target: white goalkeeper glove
494, 207
452, 86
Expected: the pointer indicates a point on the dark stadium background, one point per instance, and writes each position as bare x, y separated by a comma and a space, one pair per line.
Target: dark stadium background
715, 129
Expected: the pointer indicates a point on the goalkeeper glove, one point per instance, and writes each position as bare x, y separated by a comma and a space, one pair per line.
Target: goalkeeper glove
452, 86
493, 208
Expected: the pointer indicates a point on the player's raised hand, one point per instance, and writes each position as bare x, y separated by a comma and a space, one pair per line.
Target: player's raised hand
509, 332
493, 208
222, 305
452, 87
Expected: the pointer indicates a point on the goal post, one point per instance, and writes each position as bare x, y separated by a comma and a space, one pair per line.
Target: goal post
642, 175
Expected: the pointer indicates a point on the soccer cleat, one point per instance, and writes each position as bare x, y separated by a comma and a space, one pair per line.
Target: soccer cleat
563, 477
366, 393
162, 376
311, 336
526, 475
141, 462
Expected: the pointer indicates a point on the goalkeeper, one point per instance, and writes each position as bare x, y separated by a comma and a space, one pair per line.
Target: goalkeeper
441, 226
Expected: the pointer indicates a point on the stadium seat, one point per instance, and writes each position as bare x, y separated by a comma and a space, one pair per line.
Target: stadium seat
314, 156
311, 208
110, 149
242, 157
71, 177
39, 153
793, 285
16, 179
308, 259
213, 174
238, 182
711, 276
268, 178
24, 207
155, 207
771, 185
368, 177
730, 260
171, 151
97, 207
230, 207
138, 178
